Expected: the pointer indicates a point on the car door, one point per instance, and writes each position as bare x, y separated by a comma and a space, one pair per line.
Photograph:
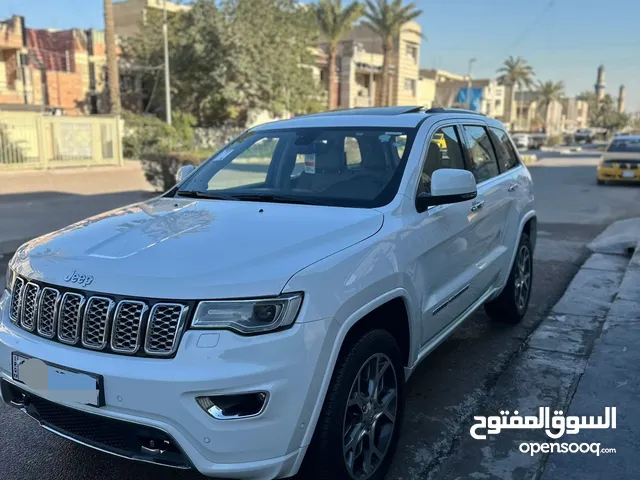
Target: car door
443, 240
494, 202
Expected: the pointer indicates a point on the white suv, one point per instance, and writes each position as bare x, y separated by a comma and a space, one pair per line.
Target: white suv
262, 317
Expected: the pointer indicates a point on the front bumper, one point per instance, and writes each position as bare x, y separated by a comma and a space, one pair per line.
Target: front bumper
160, 393
609, 174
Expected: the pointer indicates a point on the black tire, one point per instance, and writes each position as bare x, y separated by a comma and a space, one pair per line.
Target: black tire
325, 458
506, 307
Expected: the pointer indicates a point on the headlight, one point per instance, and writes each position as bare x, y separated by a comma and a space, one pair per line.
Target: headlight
248, 316
9, 278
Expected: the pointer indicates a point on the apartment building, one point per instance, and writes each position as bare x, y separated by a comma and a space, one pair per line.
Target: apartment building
360, 63
128, 15
439, 88
61, 70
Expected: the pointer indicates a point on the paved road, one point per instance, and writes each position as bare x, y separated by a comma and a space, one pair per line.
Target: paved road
446, 388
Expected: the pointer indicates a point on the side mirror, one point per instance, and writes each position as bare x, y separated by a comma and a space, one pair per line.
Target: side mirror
183, 172
448, 185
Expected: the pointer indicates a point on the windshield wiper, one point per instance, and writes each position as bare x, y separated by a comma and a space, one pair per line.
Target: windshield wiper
198, 194
275, 198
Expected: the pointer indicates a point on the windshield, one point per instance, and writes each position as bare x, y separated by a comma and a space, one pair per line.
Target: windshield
349, 167
631, 145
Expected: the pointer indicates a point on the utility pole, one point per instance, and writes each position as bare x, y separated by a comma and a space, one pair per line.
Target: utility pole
112, 58
471, 61
167, 86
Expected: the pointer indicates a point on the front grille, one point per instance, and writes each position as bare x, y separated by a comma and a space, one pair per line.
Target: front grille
98, 322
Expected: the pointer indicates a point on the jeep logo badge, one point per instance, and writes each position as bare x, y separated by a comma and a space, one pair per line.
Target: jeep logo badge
82, 280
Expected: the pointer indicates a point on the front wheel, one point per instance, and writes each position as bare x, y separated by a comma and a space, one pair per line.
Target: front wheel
359, 425
511, 305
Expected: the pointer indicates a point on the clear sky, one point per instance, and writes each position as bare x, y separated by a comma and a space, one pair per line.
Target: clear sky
562, 39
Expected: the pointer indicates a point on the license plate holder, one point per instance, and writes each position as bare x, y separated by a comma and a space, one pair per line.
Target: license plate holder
56, 382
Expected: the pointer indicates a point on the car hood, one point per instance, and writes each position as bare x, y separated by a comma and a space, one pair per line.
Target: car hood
177, 248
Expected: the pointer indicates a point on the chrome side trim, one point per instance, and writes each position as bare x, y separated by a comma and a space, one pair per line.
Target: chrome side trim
451, 299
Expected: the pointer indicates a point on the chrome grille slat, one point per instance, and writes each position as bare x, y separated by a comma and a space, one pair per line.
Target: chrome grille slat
48, 311
127, 326
122, 326
16, 300
95, 322
166, 321
29, 299
69, 317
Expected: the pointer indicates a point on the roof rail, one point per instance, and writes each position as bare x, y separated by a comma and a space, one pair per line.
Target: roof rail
453, 110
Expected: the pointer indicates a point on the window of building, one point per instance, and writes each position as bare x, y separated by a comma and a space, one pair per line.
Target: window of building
444, 152
498, 103
412, 51
410, 84
507, 156
484, 163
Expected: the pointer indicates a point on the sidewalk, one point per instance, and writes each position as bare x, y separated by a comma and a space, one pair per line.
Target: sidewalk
27, 199
583, 357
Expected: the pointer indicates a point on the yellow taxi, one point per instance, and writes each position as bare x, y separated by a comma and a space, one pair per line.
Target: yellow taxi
620, 161
439, 140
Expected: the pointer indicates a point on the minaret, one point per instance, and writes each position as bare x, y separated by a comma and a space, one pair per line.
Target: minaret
621, 98
600, 83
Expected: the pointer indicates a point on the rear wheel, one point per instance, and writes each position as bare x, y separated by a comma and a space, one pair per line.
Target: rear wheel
359, 425
511, 305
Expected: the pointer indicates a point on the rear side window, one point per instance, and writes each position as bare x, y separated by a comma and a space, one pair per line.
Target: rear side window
483, 160
506, 154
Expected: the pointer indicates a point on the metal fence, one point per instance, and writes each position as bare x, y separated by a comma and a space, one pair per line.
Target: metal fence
30, 140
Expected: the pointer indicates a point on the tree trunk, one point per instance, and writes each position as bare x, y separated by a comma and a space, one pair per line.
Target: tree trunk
113, 77
387, 48
333, 77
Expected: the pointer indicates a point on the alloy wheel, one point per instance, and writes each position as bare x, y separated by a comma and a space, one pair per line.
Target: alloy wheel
370, 416
523, 277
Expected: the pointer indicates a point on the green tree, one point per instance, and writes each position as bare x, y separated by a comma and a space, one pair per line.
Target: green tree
335, 22
386, 18
547, 93
515, 73
230, 58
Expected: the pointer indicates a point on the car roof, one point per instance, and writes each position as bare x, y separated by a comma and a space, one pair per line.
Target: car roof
627, 137
397, 116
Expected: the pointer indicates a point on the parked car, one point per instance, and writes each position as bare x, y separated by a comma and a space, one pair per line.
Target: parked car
584, 135
620, 160
261, 318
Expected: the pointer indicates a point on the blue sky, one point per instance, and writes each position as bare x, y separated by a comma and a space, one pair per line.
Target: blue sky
562, 39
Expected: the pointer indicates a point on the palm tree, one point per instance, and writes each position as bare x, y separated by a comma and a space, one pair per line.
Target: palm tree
515, 73
113, 77
335, 22
386, 18
547, 93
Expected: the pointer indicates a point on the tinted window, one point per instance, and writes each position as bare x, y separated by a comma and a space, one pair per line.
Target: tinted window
484, 165
444, 152
625, 145
350, 167
506, 154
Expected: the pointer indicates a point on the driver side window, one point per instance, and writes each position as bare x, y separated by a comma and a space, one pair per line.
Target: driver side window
444, 152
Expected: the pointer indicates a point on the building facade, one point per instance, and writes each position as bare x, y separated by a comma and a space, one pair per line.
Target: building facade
62, 70
359, 64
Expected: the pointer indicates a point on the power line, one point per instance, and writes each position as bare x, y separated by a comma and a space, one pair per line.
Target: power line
528, 30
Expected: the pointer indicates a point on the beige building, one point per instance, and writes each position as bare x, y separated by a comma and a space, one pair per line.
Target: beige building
575, 114
129, 14
566, 115
360, 68
439, 88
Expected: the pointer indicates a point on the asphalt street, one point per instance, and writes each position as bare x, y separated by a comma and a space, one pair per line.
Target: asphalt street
447, 387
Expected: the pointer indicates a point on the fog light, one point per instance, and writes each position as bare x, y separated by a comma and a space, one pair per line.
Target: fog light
229, 407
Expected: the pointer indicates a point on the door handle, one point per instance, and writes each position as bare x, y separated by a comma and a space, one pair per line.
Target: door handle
477, 205
512, 187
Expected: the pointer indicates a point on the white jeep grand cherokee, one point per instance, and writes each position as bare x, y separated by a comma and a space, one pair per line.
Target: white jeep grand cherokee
262, 317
